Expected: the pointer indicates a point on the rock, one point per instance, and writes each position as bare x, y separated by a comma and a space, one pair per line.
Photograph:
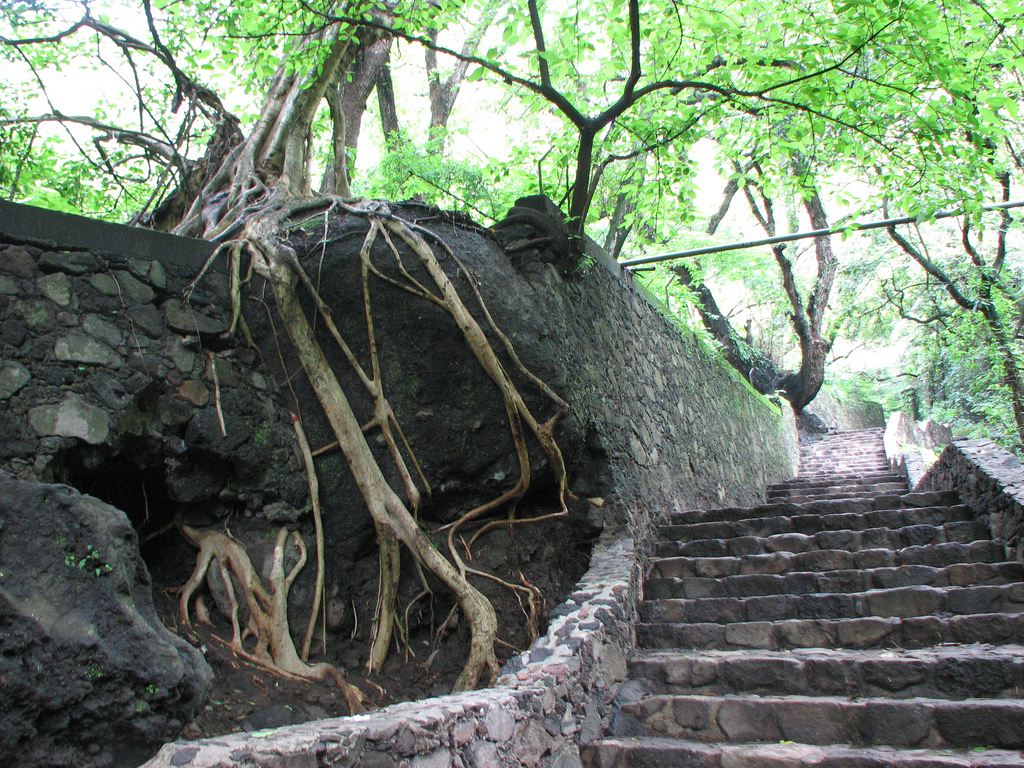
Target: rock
17, 262
78, 347
72, 262
100, 329
187, 319
935, 435
132, 291
13, 376
147, 318
72, 418
86, 668
56, 287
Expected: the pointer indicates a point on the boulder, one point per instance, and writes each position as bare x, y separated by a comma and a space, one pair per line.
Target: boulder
88, 674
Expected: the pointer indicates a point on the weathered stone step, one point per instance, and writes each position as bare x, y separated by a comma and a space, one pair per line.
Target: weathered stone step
801, 498
811, 525
903, 602
866, 478
673, 753
825, 507
825, 720
944, 673
871, 632
826, 462
657, 587
836, 489
935, 555
837, 462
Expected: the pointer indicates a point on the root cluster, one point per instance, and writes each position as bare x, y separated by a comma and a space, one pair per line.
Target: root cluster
393, 510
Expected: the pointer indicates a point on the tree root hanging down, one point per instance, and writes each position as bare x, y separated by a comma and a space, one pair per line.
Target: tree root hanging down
268, 610
395, 519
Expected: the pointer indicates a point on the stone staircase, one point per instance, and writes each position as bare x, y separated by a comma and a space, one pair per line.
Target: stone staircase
845, 623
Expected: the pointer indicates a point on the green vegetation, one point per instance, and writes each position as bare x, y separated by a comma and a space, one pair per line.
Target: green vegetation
657, 128
90, 560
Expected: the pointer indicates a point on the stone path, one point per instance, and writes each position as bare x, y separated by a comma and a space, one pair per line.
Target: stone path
846, 623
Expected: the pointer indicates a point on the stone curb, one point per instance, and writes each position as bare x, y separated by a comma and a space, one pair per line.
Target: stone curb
548, 702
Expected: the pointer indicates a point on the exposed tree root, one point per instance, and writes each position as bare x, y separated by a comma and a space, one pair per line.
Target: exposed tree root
394, 519
268, 611
314, 496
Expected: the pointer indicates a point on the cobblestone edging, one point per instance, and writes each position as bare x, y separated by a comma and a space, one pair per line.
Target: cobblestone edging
990, 480
548, 701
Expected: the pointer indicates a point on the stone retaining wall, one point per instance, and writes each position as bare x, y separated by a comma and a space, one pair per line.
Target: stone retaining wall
548, 701
97, 342
990, 480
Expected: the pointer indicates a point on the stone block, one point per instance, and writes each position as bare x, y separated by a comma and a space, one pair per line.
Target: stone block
905, 602
742, 720
73, 417
902, 724
814, 721
867, 632
751, 634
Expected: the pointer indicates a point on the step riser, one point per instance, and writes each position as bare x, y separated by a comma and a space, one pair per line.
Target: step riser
924, 723
860, 477
842, 582
937, 555
904, 602
664, 753
899, 677
869, 633
809, 525
832, 507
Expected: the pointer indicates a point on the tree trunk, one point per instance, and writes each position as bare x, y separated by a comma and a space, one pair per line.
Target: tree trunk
356, 85
755, 367
388, 110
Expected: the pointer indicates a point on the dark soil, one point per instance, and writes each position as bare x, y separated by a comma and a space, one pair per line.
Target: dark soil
551, 555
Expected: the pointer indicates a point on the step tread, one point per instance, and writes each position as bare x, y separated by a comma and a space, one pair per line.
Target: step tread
819, 507
822, 560
868, 632
902, 602
932, 673
809, 582
823, 720
951, 519
655, 752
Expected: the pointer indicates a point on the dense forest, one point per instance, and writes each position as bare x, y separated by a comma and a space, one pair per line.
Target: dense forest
657, 128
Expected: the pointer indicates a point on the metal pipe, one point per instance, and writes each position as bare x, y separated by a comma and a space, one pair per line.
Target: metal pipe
805, 235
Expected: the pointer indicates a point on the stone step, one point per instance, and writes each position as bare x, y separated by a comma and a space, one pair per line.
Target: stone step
871, 632
945, 673
819, 561
756, 560
866, 478
810, 582
810, 525
826, 720
829, 468
827, 507
841, 461
901, 602
800, 498
674, 753
836, 488
834, 491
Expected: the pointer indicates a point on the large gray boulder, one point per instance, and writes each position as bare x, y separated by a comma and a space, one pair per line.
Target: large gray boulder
88, 674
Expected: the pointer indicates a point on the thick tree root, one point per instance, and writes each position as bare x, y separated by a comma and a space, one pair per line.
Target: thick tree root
268, 611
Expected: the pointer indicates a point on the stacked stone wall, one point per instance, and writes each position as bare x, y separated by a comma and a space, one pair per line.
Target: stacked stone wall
990, 480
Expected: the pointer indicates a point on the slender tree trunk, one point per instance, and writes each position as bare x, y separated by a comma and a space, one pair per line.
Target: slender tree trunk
388, 109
